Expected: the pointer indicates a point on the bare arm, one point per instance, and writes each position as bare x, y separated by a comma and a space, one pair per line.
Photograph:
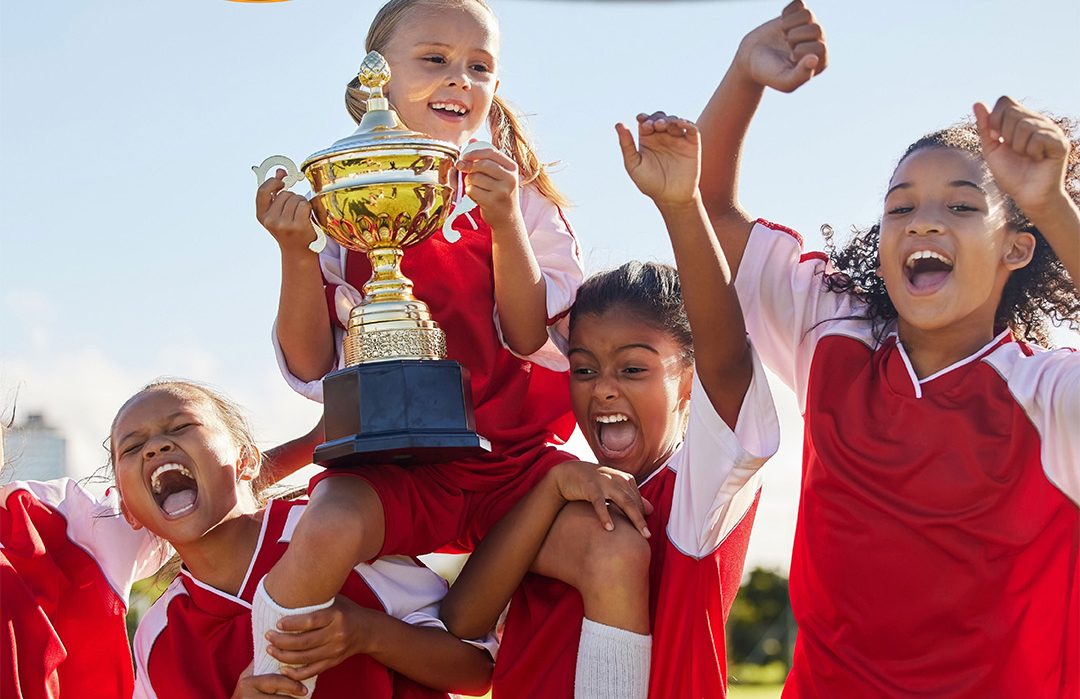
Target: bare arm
520, 291
666, 169
783, 53
321, 640
497, 566
1028, 155
288, 458
303, 324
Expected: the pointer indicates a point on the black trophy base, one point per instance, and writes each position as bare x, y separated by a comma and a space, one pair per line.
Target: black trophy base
406, 412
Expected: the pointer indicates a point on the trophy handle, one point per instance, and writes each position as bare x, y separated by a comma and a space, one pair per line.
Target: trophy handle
292, 176
464, 204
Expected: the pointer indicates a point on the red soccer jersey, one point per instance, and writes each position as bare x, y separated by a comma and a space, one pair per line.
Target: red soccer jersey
704, 499
195, 641
518, 401
67, 562
936, 551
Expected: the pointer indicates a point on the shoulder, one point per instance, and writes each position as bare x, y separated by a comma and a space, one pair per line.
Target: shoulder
536, 209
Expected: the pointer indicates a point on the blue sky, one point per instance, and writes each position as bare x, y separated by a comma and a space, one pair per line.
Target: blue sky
127, 131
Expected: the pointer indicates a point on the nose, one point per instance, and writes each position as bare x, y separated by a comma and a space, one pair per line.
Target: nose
156, 446
458, 76
605, 388
925, 222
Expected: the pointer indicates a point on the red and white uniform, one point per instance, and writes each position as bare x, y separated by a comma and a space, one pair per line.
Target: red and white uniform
936, 551
522, 404
67, 562
705, 498
195, 641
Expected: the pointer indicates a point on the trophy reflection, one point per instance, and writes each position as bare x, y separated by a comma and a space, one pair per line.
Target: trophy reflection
379, 191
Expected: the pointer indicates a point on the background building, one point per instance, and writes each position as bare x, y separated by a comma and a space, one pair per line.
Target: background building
34, 450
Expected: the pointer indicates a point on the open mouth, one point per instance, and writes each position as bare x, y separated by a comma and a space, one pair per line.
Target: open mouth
615, 436
175, 489
927, 271
449, 110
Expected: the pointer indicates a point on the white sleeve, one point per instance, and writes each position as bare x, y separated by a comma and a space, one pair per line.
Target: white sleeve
151, 626
786, 306
346, 297
96, 526
412, 592
1047, 386
716, 469
559, 256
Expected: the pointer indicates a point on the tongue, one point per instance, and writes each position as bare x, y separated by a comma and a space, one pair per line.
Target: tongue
925, 280
616, 436
179, 502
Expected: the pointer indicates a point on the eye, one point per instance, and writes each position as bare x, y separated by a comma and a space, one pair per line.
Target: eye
435, 58
480, 67
131, 448
900, 210
583, 372
634, 370
962, 207
182, 426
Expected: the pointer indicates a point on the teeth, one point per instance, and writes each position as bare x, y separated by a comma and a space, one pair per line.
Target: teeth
457, 109
608, 419
155, 477
924, 255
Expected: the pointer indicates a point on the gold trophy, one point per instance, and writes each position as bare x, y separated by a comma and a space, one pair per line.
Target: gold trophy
381, 190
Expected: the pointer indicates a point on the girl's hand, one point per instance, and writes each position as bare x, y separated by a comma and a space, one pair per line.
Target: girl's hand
667, 165
1027, 153
599, 485
315, 642
491, 180
269, 686
784, 52
285, 214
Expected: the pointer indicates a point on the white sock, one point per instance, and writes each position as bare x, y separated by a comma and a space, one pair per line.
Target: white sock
265, 615
612, 663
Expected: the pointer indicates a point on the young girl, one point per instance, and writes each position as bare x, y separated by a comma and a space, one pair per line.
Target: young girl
937, 538
691, 420
67, 563
184, 460
495, 291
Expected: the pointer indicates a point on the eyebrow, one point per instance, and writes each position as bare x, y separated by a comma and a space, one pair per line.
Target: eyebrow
633, 345
135, 433
441, 45
954, 183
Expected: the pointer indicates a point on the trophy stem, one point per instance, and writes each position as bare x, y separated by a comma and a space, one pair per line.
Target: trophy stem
390, 323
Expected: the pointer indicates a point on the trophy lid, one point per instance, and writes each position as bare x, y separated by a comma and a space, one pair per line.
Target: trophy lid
380, 128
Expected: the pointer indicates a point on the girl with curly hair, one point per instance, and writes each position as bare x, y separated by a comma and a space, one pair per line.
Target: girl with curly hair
937, 539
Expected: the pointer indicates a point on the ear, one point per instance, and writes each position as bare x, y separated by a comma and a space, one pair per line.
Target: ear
1019, 249
247, 468
126, 513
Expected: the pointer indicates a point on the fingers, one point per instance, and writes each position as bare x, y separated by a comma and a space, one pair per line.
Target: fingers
624, 494
266, 191
269, 686
663, 123
1026, 132
626, 143
599, 504
297, 624
468, 161
805, 38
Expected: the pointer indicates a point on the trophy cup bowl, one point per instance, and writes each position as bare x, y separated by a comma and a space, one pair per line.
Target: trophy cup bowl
379, 191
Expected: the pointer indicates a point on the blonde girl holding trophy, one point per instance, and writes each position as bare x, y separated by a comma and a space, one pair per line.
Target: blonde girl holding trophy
497, 282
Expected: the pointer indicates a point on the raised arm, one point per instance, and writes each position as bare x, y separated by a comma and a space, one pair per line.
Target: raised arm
1028, 155
303, 323
783, 54
288, 458
666, 168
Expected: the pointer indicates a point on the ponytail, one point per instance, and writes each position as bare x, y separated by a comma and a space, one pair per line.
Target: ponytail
508, 135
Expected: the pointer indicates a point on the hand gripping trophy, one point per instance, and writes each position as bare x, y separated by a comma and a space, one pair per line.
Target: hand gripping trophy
381, 190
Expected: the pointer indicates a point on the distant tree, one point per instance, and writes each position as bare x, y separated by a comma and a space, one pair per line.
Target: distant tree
759, 628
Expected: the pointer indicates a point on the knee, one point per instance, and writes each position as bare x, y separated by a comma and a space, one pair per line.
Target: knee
615, 559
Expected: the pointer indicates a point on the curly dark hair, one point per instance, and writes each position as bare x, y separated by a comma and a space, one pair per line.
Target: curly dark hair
1034, 297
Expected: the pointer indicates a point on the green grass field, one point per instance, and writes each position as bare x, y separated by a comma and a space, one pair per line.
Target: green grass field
754, 691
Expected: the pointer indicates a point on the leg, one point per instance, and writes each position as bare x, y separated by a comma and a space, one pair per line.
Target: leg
342, 526
611, 571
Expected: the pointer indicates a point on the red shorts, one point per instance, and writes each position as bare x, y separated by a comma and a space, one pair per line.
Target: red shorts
449, 507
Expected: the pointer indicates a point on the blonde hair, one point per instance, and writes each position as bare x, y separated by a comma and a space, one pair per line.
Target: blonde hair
508, 133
